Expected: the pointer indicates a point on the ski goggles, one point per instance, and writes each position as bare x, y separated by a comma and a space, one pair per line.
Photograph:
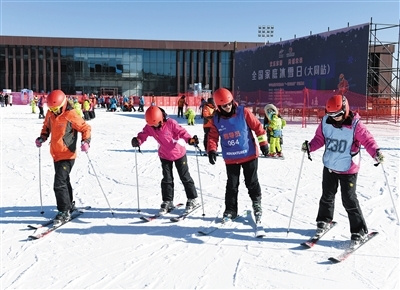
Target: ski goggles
226, 105
270, 111
336, 114
57, 109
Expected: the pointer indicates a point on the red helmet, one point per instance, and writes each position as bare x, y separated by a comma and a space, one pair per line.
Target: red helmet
222, 96
56, 99
153, 116
336, 105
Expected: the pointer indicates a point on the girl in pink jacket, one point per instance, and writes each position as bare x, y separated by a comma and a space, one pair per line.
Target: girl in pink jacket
342, 133
167, 133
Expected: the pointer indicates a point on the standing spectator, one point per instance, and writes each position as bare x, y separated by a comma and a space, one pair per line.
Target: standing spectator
203, 102
40, 106
208, 114
78, 107
34, 102
120, 102
107, 101
167, 131
62, 125
113, 104
141, 104
233, 125
342, 134
92, 101
181, 104
100, 104
86, 108
273, 124
10, 99
6, 99
343, 85
1, 99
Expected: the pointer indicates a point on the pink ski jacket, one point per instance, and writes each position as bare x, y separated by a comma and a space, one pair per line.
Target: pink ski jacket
167, 137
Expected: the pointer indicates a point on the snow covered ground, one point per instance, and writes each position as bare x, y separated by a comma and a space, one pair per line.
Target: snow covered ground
102, 251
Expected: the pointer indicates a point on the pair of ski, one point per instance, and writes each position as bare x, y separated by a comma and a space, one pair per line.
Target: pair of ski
350, 249
178, 218
224, 222
48, 224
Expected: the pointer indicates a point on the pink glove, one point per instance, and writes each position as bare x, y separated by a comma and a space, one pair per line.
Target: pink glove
85, 146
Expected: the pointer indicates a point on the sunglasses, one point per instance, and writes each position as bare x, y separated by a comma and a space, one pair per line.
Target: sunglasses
227, 105
336, 114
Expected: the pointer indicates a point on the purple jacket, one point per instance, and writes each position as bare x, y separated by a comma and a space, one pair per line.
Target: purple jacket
167, 137
361, 137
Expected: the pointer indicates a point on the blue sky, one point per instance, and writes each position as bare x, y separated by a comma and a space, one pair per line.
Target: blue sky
191, 19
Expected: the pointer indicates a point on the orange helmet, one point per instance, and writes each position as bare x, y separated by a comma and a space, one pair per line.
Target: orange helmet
56, 100
154, 116
336, 106
222, 96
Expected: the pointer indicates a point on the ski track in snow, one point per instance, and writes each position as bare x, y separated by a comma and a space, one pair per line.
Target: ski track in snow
102, 251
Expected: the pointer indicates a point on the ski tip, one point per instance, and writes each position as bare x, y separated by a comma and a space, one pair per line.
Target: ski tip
306, 245
334, 260
33, 237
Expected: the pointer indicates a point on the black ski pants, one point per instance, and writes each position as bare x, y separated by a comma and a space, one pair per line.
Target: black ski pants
180, 112
348, 184
167, 183
62, 185
232, 184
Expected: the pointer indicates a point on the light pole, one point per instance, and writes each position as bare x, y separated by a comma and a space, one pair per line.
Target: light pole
265, 31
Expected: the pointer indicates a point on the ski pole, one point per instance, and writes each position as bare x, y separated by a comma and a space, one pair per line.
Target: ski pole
94, 171
40, 181
137, 181
295, 193
196, 147
390, 192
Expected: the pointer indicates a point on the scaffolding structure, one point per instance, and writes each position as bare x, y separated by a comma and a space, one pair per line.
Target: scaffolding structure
383, 70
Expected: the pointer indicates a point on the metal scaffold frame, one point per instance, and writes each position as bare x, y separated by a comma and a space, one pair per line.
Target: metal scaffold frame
383, 67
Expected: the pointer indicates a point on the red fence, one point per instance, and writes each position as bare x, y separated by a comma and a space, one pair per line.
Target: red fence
308, 105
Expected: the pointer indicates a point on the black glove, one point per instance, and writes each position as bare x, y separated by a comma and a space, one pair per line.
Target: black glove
264, 149
212, 157
194, 140
305, 147
135, 142
39, 141
379, 158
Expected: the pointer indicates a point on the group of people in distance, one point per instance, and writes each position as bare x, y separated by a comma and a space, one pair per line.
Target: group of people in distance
229, 126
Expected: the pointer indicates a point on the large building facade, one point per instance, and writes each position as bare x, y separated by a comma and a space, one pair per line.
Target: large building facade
112, 66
